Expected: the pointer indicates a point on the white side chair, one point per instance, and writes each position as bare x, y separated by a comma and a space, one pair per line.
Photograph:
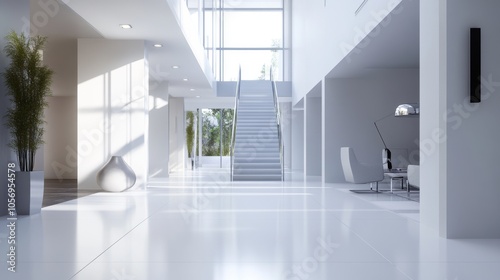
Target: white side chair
358, 173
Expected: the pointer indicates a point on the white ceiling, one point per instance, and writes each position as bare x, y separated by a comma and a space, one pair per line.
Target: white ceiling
393, 45
396, 46
152, 21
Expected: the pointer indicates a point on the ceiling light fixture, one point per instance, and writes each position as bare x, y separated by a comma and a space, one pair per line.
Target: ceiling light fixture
185, 79
192, 89
158, 45
175, 67
126, 26
197, 96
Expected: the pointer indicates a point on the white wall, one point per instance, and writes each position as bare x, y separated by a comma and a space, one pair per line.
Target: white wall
353, 105
158, 130
313, 137
112, 107
60, 154
177, 134
286, 115
470, 195
61, 56
297, 155
335, 31
12, 14
60, 148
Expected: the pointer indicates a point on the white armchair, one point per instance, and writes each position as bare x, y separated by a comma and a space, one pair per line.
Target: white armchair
359, 173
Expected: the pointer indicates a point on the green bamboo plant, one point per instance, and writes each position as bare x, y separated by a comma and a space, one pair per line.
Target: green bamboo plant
28, 84
190, 132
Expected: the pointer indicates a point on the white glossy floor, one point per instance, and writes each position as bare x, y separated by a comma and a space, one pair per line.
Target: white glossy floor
199, 226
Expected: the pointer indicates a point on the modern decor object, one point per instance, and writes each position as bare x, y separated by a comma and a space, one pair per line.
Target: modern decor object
475, 65
359, 173
407, 110
28, 84
116, 175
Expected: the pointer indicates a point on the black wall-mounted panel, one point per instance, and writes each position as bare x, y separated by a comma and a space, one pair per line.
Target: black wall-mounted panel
475, 65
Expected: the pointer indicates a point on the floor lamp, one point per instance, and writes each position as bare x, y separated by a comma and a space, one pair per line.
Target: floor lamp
403, 110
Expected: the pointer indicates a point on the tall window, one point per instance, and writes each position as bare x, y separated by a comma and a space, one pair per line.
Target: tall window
249, 33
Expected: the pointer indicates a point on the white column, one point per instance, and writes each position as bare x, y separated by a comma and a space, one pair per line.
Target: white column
313, 132
433, 104
200, 136
177, 135
323, 130
297, 155
158, 130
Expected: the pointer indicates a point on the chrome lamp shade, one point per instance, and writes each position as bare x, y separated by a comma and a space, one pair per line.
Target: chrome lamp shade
407, 110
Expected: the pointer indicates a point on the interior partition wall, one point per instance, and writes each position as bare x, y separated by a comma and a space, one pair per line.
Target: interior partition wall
313, 132
297, 155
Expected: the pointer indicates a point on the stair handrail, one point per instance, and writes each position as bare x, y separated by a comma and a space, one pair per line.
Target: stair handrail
278, 123
235, 118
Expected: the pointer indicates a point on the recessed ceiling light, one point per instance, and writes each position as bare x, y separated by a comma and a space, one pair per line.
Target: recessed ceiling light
197, 96
185, 79
192, 89
175, 67
158, 45
126, 26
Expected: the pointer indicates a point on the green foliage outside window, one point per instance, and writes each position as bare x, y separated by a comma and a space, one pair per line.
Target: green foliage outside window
211, 132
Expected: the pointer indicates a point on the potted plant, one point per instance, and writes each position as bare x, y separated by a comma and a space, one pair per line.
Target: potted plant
28, 84
190, 136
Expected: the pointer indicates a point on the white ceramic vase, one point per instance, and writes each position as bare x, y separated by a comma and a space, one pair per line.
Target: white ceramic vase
116, 175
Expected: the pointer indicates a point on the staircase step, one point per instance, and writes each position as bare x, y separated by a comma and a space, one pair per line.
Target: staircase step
255, 117
257, 128
256, 137
262, 130
255, 154
255, 141
257, 146
257, 171
255, 104
259, 165
247, 112
257, 160
261, 124
259, 149
265, 132
260, 177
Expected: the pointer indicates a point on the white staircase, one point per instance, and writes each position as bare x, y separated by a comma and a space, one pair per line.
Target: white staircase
257, 154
